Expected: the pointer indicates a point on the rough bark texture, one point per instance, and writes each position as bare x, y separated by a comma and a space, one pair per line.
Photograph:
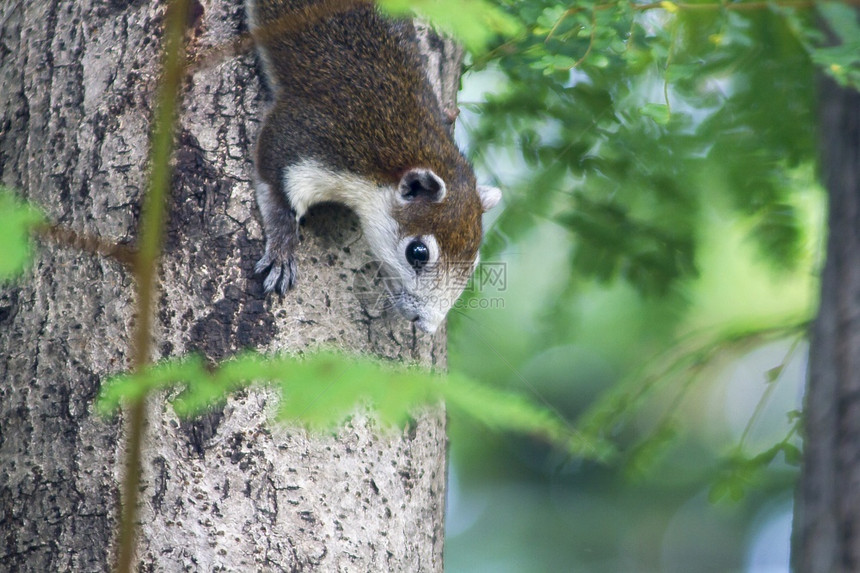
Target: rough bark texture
230, 491
827, 520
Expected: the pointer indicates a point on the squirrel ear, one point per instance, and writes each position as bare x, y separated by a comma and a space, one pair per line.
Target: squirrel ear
422, 185
490, 196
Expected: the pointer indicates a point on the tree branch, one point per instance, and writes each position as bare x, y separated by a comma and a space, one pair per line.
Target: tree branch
66, 237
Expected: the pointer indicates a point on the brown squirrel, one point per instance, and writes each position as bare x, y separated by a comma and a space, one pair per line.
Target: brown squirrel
355, 121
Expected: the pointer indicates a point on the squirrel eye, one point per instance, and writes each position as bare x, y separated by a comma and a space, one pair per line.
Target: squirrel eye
417, 254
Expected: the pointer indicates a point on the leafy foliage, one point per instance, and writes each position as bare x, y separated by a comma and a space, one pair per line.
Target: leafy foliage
740, 471
474, 22
321, 390
19, 220
616, 412
836, 49
632, 124
622, 113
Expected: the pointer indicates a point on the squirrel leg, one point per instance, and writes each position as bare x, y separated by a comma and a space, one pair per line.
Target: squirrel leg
278, 264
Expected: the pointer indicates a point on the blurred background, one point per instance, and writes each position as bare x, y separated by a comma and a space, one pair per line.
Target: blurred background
650, 278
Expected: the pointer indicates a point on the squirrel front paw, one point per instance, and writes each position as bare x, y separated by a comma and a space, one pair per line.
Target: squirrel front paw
280, 270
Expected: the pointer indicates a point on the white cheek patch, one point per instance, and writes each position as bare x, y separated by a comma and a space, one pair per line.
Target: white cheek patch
309, 182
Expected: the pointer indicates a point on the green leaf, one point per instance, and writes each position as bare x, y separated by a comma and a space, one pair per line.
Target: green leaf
474, 22
773, 374
134, 386
321, 390
19, 218
736, 491
792, 454
507, 411
842, 60
659, 112
719, 491
556, 61
777, 232
551, 16
842, 19
648, 453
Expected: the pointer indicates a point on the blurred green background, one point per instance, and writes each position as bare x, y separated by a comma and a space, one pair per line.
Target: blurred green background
659, 247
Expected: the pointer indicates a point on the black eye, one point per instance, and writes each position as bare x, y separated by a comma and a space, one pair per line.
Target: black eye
417, 254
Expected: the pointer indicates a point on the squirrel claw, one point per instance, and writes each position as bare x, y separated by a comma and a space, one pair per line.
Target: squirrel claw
281, 273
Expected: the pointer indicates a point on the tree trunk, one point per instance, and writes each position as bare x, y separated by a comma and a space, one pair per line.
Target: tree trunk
827, 520
229, 491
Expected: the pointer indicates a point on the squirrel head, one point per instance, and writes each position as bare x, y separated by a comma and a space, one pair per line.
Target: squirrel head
428, 244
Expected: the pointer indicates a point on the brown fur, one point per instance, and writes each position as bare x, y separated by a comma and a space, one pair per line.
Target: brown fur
351, 93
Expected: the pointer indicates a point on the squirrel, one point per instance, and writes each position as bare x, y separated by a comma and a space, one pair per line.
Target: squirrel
355, 121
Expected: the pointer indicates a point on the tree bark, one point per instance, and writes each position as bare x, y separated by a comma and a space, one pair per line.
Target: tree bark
827, 520
229, 491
